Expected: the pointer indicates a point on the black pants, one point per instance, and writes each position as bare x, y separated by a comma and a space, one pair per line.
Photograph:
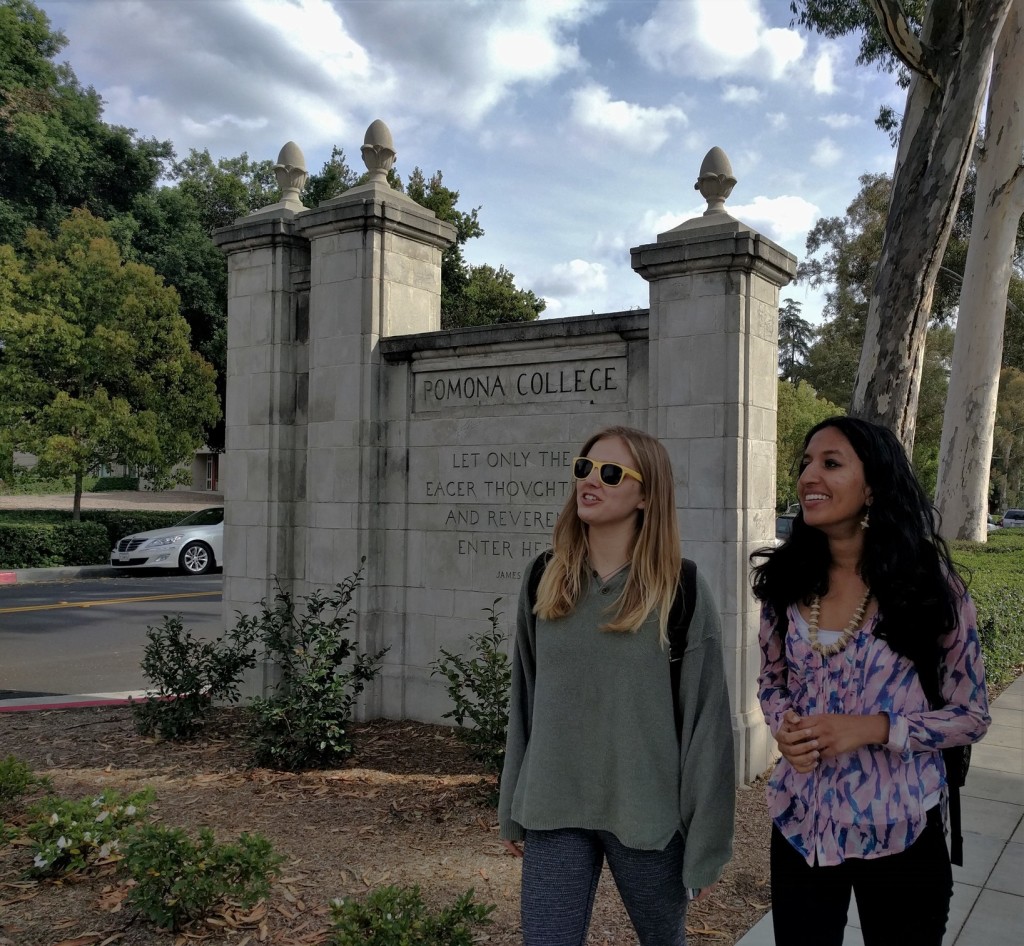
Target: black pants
903, 899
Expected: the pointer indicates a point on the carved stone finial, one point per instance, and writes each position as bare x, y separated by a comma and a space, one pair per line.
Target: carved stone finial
291, 175
715, 181
378, 152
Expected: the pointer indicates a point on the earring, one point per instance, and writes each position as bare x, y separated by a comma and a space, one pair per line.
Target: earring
864, 523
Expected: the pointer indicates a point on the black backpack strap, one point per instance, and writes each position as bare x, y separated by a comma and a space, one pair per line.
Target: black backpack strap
678, 626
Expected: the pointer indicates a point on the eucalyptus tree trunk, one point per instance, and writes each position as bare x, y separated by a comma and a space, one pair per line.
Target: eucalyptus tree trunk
951, 63
968, 424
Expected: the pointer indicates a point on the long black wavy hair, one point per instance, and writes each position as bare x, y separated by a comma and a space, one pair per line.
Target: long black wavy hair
905, 562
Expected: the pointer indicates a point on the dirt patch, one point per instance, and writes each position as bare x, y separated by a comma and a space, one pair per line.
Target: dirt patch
410, 808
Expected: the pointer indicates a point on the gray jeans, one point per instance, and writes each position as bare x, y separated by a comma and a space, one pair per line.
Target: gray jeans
560, 874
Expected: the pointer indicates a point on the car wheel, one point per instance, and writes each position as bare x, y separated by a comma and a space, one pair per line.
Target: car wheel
196, 558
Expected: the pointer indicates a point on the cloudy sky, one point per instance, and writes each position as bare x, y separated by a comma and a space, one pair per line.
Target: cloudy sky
576, 126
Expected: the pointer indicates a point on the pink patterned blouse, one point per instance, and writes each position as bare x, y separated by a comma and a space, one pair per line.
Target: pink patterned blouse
872, 801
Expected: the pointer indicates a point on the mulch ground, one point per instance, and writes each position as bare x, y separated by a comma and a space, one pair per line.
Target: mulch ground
411, 807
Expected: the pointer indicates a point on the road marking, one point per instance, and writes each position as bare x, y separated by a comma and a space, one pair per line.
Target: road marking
93, 604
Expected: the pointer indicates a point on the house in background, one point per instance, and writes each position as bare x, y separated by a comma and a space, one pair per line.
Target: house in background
205, 470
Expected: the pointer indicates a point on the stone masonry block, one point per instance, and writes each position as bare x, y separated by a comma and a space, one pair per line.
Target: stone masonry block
237, 402
264, 312
260, 408
257, 464
253, 281
696, 420
711, 465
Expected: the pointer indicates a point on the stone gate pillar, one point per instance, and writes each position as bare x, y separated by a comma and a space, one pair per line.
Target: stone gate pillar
311, 294
375, 271
713, 340
264, 462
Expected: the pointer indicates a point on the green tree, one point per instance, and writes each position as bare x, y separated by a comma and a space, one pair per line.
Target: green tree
96, 365
470, 295
946, 48
334, 178
800, 408
227, 189
843, 255
56, 153
170, 236
795, 338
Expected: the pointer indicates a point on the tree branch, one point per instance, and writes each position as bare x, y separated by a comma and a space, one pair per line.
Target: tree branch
902, 40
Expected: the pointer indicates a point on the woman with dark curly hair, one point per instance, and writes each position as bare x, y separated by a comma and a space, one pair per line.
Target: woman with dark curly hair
870, 666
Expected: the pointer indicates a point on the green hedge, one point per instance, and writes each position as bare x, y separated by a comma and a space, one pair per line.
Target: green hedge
48, 545
996, 575
45, 538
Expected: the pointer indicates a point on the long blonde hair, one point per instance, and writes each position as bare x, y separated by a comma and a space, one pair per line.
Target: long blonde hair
655, 558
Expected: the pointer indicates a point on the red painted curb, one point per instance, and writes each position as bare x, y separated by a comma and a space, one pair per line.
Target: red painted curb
8, 578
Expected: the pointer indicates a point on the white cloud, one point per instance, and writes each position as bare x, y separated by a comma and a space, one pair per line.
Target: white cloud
715, 38
777, 120
823, 80
742, 95
840, 121
573, 278
826, 154
780, 218
634, 126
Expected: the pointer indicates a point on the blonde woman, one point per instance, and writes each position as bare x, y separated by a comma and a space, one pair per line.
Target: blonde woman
599, 763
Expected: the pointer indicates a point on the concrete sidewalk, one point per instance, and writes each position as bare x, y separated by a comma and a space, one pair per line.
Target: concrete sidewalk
988, 891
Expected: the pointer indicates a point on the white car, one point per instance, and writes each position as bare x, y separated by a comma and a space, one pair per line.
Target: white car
194, 545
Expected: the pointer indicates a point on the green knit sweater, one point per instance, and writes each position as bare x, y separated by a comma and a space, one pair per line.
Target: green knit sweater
592, 740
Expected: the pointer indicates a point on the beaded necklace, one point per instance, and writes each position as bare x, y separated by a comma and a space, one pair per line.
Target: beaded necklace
828, 650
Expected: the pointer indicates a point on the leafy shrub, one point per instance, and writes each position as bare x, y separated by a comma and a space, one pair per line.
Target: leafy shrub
479, 689
16, 781
179, 880
304, 723
47, 538
186, 675
46, 546
23, 481
70, 836
108, 484
397, 916
996, 572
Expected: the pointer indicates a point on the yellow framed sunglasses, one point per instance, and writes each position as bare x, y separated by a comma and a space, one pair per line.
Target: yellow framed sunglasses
611, 473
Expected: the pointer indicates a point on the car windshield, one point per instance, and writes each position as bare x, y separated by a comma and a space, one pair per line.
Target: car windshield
205, 517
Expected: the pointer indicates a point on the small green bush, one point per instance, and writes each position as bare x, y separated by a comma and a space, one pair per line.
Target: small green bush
304, 723
108, 484
178, 880
16, 781
70, 836
47, 546
479, 689
996, 574
187, 675
47, 538
397, 916
20, 481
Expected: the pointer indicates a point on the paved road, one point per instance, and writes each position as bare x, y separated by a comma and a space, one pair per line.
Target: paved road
88, 636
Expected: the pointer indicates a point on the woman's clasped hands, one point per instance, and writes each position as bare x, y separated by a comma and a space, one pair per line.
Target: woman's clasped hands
803, 740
